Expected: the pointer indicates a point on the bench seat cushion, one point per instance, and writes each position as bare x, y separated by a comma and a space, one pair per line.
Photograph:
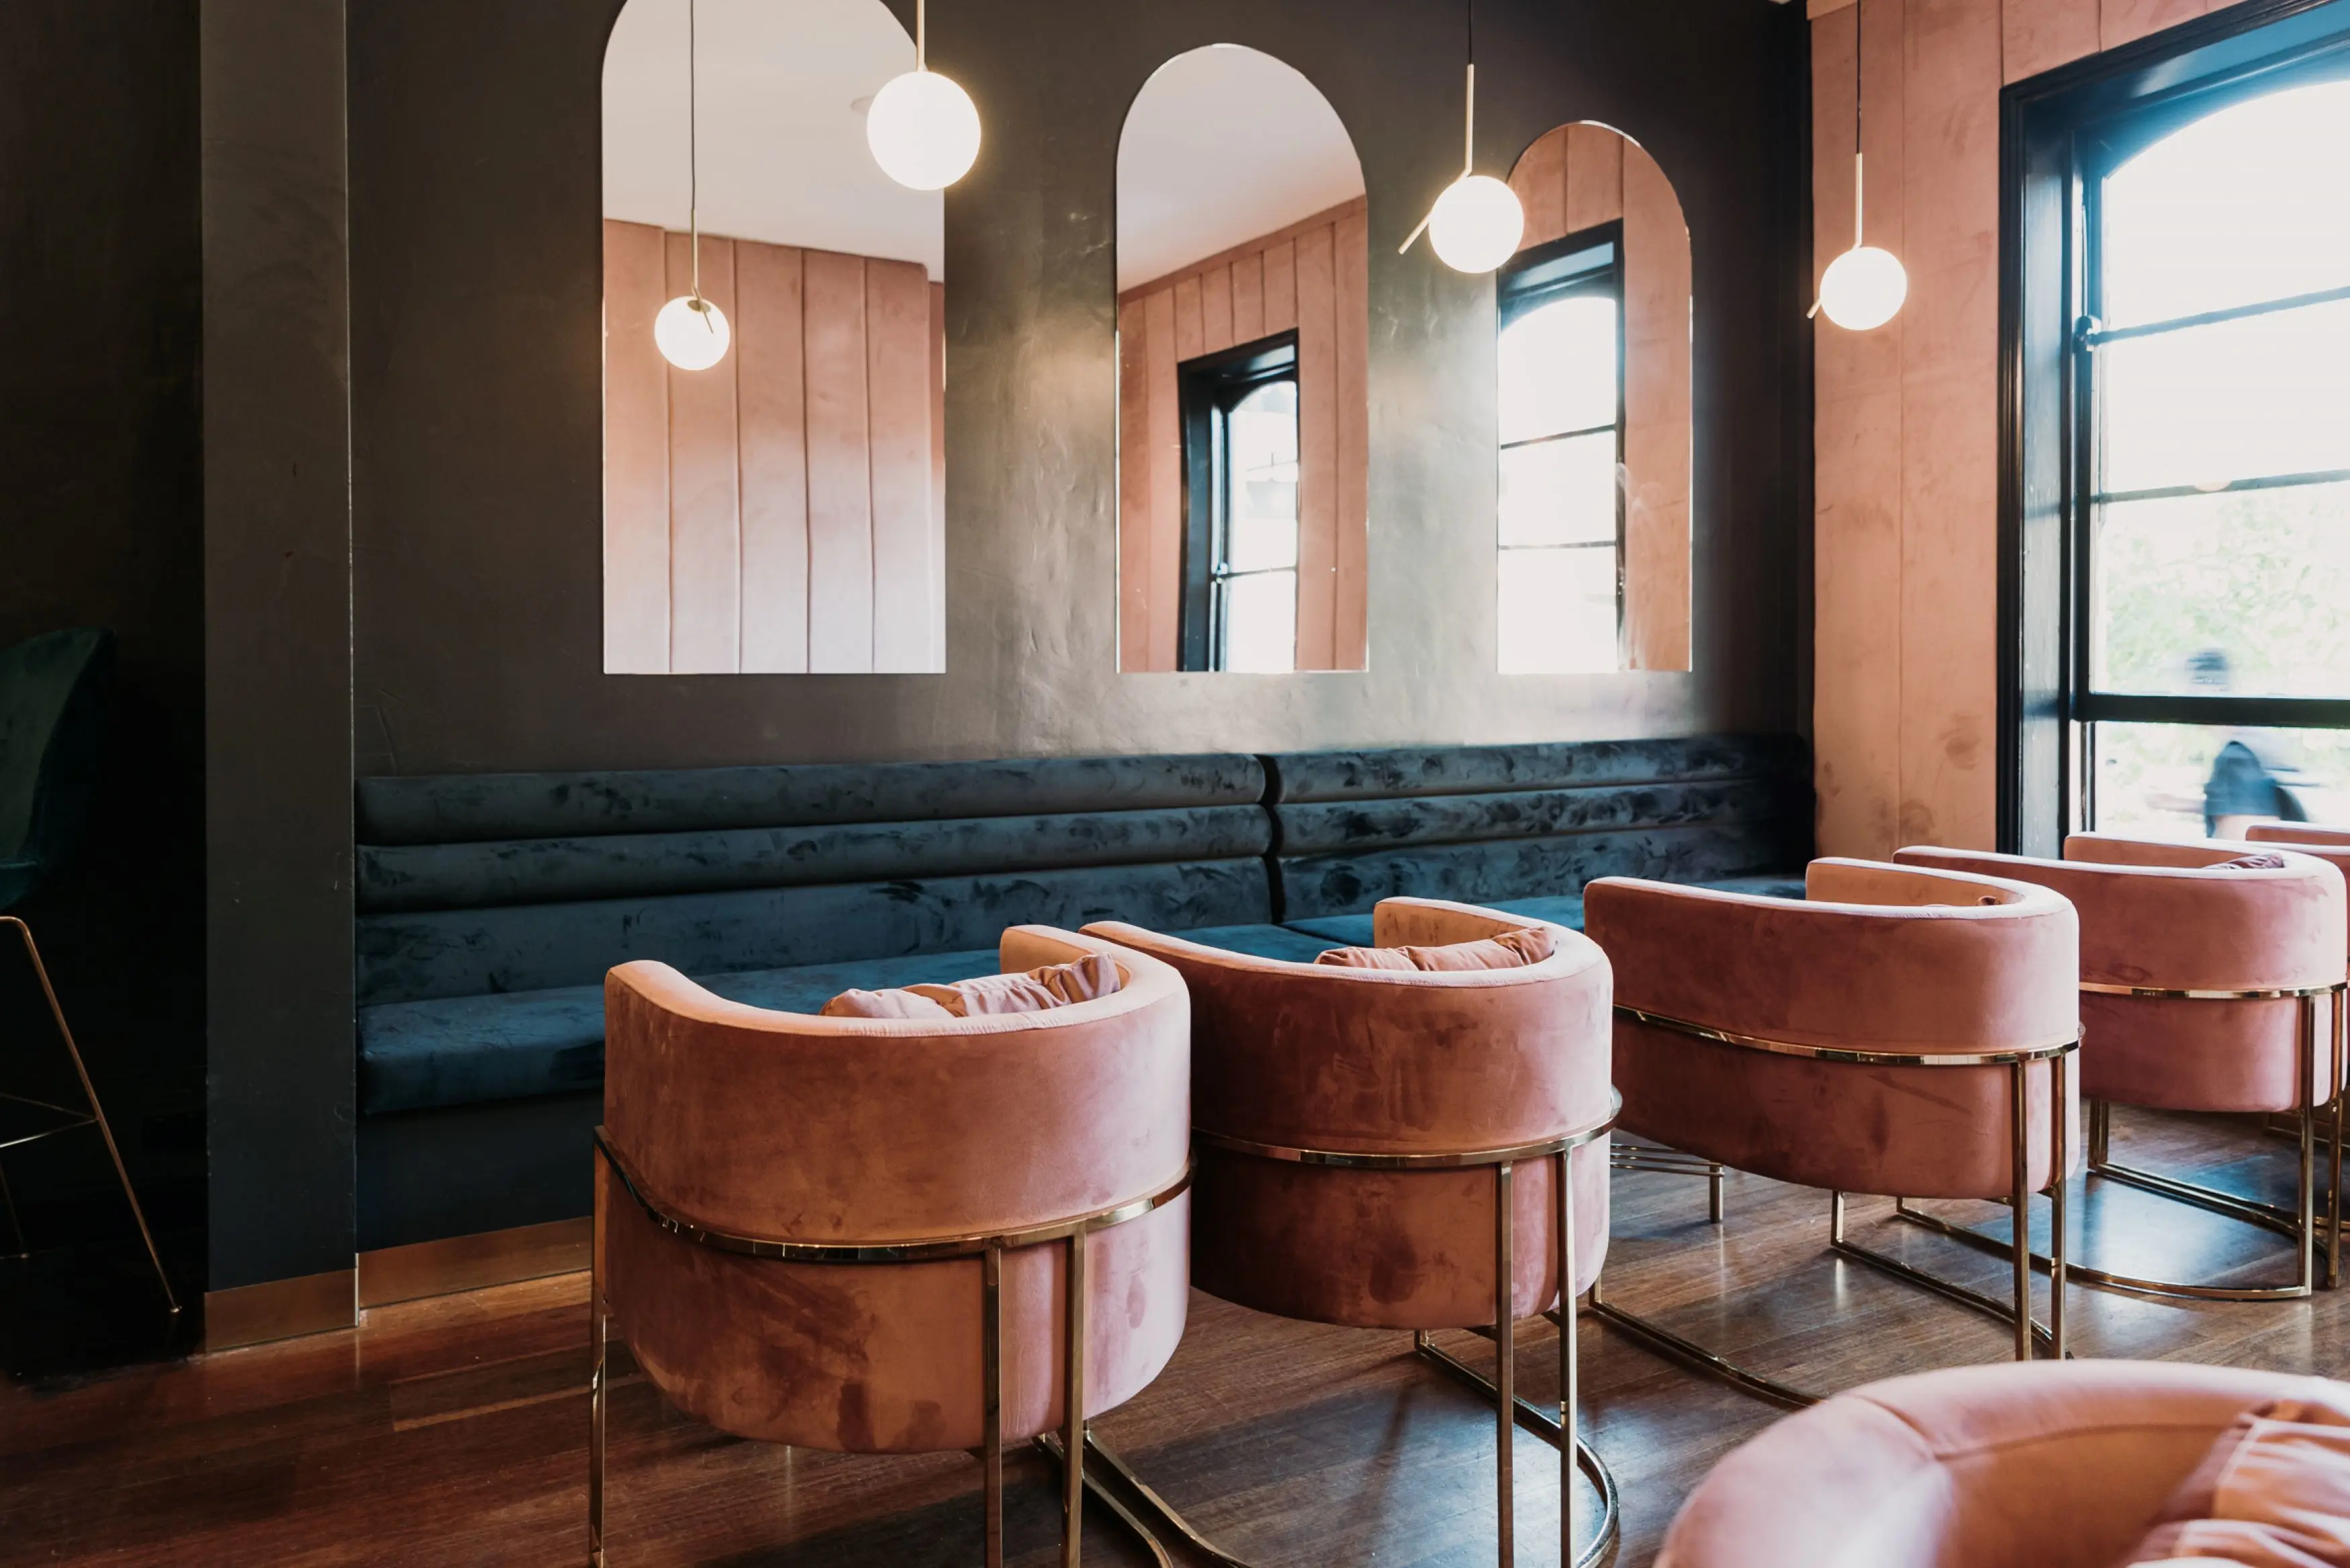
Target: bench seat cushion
1355, 930
461, 1049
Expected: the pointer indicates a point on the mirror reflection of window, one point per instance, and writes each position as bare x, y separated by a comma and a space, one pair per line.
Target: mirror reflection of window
1593, 399
1243, 337
1562, 432
1240, 538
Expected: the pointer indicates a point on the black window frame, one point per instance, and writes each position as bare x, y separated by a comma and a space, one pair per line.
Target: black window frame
1209, 387
2060, 132
1590, 261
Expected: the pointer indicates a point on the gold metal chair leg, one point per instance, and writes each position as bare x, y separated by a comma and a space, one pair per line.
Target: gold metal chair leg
2299, 1224
1510, 1410
2016, 1313
991, 1351
96, 1114
2339, 1058
1505, 1364
598, 1333
1569, 1395
1073, 1401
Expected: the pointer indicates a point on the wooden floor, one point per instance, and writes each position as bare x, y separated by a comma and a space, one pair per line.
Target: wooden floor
452, 1431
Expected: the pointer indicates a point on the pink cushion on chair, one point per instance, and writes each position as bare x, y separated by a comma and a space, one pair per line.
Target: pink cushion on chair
2251, 863
882, 1004
2273, 1492
1511, 950
1037, 990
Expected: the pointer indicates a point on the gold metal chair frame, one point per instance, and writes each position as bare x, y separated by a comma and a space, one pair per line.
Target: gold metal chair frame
28, 1121
989, 1246
2029, 1333
1510, 1410
2298, 1225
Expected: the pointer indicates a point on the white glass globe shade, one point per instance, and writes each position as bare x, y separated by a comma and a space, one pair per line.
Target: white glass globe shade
1863, 288
1477, 224
692, 334
923, 129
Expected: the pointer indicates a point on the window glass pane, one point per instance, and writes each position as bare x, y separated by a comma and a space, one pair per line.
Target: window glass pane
1261, 622
2247, 593
1560, 491
2250, 204
1261, 529
1558, 369
2240, 399
1558, 611
2185, 781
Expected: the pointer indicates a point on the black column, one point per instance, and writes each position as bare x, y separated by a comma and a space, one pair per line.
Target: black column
277, 592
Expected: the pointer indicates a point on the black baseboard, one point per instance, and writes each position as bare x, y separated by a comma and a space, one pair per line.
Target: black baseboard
427, 1175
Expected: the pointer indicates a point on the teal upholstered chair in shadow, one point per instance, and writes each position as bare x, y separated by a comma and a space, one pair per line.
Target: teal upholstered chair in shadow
53, 699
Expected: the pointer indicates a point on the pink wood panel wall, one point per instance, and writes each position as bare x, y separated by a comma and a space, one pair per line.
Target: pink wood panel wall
1905, 434
783, 510
1313, 276
636, 452
1571, 178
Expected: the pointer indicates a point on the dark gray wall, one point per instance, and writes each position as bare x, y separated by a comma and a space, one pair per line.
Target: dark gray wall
476, 267
277, 574
100, 526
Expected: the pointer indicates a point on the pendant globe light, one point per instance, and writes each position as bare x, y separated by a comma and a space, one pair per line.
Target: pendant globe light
691, 331
1477, 223
1863, 288
922, 127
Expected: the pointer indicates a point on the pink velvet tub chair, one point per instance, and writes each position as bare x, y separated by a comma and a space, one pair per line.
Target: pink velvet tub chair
2204, 987
895, 1235
1896, 1031
1383, 1148
2045, 1466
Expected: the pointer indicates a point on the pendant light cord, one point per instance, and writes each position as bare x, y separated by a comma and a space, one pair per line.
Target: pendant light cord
1857, 7
694, 144
921, 40
1468, 132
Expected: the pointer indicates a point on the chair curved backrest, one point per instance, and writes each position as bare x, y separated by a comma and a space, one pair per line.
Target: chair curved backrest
2165, 916
1877, 958
2041, 1465
1391, 1063
52, 725
787, 1127
2331, 845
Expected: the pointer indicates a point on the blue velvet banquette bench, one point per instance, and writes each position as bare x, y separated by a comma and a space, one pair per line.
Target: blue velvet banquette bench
491, 905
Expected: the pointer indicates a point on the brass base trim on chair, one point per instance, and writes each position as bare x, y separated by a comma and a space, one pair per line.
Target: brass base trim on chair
2030, 1335
2298, 1225
1169, 1519
41, 1119
989, 1246
1637, 1156
1509, 1408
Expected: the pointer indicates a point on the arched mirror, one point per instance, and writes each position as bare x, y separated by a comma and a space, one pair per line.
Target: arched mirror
1594, 317
1243, 341
782, 510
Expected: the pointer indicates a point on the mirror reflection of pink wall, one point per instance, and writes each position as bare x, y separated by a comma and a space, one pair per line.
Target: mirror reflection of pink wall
1594, 320
1243, 347
784, 510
